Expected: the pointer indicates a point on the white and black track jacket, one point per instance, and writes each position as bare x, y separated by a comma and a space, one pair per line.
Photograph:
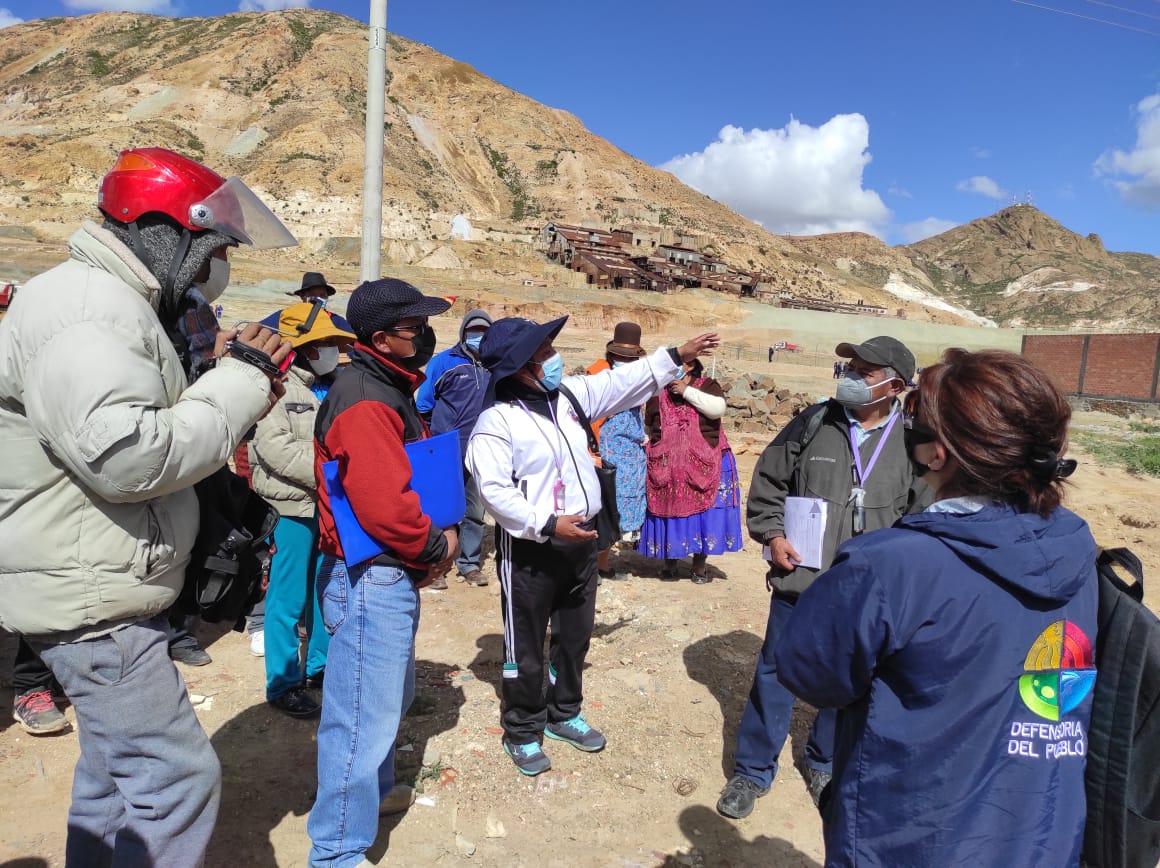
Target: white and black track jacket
517, 456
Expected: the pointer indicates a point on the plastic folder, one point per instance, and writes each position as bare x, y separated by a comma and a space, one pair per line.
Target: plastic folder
436, 476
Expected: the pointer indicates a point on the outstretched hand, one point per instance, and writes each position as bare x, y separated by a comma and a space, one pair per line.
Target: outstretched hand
702, 345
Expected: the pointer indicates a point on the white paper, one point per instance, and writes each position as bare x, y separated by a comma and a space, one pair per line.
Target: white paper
805, 528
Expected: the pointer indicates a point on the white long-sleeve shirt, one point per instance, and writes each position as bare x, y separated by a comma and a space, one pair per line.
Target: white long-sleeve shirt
517, 456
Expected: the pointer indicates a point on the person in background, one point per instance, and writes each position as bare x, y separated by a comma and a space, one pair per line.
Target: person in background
959, 643
622, 440
371, 608
529, 453
314, 286
104, 442
856, 463
33, 706
693, 496
838, 369
450, 400
282, 458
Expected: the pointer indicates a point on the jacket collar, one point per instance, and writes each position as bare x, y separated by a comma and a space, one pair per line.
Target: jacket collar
385, 368
101, 249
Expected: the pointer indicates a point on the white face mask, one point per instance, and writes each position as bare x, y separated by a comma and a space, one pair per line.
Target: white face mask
326, 362
219, 279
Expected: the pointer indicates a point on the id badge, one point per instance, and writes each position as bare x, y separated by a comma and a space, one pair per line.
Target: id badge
858, 498
558, 496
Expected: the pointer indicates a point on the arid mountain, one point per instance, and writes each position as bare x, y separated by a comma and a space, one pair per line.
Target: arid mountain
278, 98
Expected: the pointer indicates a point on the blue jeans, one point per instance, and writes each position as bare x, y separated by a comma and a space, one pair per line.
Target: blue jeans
291, 592
372, 614
147, 783
765, 721
472, 528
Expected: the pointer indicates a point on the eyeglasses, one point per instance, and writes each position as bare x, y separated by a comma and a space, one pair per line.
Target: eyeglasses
413, 329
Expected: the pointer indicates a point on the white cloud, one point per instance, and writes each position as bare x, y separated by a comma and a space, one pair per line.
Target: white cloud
7, 19
800, 179
984, 186
901, 192
1138, 169
981, 153
921, 229
271, 5
152, 7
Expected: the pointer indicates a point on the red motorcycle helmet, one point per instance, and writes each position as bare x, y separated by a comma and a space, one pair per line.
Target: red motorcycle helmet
161, 181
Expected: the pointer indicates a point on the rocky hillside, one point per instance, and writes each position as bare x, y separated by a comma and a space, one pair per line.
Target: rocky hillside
278, 98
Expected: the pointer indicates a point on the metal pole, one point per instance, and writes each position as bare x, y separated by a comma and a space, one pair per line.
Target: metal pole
372, 212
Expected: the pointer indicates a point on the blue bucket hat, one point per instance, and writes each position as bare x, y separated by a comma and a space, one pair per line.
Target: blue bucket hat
509, 344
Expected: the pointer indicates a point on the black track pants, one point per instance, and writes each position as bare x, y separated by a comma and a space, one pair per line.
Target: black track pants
544, 583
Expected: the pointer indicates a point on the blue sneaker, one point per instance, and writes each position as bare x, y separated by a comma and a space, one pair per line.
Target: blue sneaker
529, 758
577, 733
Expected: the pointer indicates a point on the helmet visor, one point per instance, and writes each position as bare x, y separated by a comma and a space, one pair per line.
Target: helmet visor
234, 210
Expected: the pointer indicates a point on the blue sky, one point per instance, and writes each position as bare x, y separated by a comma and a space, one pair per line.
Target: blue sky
897, 117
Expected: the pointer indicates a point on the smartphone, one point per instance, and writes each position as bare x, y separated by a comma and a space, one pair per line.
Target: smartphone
259, 359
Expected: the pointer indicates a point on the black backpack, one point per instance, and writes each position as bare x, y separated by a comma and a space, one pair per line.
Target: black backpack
230, 564
1122, 774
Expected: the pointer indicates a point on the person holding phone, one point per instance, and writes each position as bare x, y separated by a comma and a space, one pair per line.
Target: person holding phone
105, 440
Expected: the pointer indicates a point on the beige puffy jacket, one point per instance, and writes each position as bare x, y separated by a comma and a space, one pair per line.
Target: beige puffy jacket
282, 451
103, 440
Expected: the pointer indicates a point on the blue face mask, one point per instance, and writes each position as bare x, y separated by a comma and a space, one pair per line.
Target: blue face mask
553, 373
472, 342
618, 365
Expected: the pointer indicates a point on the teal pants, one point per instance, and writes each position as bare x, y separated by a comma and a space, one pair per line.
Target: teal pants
289, 597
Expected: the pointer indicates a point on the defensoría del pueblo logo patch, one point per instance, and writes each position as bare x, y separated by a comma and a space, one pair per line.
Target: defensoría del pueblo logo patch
1059, 672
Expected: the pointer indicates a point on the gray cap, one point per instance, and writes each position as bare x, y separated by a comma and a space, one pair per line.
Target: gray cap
882, 351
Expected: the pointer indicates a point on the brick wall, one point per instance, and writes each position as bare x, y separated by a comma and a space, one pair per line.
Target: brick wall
1115, 366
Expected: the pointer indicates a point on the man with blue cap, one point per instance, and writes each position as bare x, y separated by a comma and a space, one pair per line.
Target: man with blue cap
529, 454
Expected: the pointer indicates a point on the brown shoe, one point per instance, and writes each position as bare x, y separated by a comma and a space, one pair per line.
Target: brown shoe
475, 577
440, 584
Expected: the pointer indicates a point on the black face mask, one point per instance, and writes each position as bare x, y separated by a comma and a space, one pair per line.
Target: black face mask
911, 439
424, 344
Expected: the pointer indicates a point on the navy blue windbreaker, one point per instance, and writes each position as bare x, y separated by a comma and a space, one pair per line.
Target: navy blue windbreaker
960, 648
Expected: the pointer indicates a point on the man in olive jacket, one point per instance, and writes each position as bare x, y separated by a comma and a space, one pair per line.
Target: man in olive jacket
852, 457
104, 440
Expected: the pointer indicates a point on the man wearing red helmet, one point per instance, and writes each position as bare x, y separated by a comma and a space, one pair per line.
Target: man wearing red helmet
105, 440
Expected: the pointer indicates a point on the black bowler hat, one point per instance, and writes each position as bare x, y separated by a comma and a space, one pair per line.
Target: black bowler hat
377, 305
312, 280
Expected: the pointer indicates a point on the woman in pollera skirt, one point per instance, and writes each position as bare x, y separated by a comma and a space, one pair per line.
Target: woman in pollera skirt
694, 501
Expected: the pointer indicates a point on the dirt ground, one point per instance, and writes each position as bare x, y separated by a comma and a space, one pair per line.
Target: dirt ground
667, 678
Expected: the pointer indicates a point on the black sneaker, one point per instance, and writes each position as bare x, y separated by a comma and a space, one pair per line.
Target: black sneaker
296, 702
190, 655
737, 798
577, 733
37, 714
529, 758
314, 682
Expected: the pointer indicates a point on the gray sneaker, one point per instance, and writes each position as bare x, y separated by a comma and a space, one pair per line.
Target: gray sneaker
737, 798
37, 714
529, 758
577, 733
819, 786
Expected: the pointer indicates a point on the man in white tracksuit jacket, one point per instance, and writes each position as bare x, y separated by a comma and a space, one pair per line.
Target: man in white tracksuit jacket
529, 453
104, 440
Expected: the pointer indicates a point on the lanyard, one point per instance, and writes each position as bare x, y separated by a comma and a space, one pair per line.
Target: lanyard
557, 458
860, 475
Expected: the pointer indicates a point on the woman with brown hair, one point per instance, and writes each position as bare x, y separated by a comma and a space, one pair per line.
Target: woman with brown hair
693, 497
958, 645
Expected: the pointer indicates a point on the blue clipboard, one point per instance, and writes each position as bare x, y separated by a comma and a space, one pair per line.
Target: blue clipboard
436, 476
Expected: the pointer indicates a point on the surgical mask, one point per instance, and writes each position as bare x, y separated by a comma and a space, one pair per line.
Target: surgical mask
320, 300
616, 365
326, 362
854, 391
553, 373
219, 279
472, 342
424, 344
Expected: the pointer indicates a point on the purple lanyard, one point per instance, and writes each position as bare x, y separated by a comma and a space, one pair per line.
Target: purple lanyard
862, 475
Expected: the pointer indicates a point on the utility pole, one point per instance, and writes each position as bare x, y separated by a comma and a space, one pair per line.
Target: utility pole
372, 212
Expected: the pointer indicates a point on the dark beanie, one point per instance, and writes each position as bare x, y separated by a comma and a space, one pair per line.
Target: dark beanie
160, 237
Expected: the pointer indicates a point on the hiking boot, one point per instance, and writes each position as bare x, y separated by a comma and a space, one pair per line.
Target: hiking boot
440, 584
738, 797
818, 783
577, 733
475, 577
397, 800
190, 655
296, 702
529, 758
258, 643
37, 714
